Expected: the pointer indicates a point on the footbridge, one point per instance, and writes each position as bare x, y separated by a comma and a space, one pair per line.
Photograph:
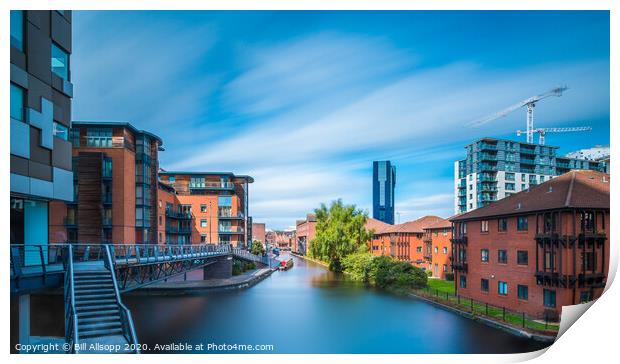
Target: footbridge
93, 277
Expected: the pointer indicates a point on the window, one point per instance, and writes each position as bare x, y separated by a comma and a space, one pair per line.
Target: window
445, 267
510, 186
587, 261
502, 288
436, 250
203, 223
502, 224
484, 226
418, 249
203, 208
502, 256
522, 257
522, 292
549, 298
203, 238
445, 250
522, 223
510, 176
587, 221
484, 285
585, 296
160, 238
542, 179
60, 62
99, 137
160, 220
17, 29
17, 101
522, 186
549, 260
484, 255
463, 281
523, 178
61, 131
197, 182
74, 134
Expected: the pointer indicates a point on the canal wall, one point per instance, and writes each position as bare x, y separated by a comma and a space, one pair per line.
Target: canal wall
492, 323
242, 281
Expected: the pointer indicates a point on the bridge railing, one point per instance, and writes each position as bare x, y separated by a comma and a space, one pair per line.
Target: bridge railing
71, 325
129, 254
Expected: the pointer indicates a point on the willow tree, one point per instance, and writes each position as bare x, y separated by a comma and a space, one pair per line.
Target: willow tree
340, 231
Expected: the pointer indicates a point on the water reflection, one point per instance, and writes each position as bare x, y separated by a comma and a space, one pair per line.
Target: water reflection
310, 310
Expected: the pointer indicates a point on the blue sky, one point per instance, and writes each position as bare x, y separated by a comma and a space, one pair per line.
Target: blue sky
305, 101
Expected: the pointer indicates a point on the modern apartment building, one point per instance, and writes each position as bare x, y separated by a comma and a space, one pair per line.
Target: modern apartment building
205, 207
539, 249
383, 186
40, 108
305, 232
404, 241
115, 186
497, 168
438, 248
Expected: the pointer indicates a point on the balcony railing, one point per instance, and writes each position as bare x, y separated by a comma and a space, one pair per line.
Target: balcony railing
229, 215
487, 156
212, 185
487, 167
487, 178
484, 146
179, 215
106, 222
230, 230
70, 222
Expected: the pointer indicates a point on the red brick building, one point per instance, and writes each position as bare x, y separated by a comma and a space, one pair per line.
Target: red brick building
539, 249
438, 248
258, 232
305, 232
115, 186
204, 208
404, 241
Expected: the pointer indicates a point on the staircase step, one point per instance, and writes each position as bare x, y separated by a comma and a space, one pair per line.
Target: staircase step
93, 297
83, 314
107, 285
89, 303
94, 284
84, 328
116, 317
99, 333
93, 290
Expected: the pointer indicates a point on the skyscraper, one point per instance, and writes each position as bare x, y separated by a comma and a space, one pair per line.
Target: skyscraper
383, 183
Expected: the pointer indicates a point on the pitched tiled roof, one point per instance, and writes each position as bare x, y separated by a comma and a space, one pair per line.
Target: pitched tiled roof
575, 189
377, 225
441, 224
415, 226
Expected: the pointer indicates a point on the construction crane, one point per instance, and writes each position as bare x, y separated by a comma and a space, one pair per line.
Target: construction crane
529, 103
542, 131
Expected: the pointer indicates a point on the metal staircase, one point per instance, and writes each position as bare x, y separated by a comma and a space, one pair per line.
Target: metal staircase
94, 311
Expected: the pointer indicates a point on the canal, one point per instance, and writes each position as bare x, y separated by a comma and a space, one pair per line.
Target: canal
311, 310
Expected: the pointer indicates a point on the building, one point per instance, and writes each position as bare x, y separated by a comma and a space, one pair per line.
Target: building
497, 168
404, 241
40, 107
383, 185
115, 186
281, 239
258, 232
539, 249
438, 248
205, 207
305, 231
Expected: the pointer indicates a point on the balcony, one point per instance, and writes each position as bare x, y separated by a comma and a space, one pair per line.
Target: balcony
487, 146
527, 151
527, 161
488, 187
179, 215
106, 199
459, 240
225, 215
212, 186
459, 266
487, 157
485, 197
487, 167
230, 230
487, 178
106, 222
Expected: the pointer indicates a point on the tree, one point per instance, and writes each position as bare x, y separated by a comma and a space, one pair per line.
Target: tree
340, 231
257, 248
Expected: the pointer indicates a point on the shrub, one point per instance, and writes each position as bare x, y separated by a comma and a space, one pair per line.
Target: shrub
358, 265
237, 267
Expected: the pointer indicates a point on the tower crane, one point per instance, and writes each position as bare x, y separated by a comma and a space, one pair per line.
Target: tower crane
529, 104
542, 131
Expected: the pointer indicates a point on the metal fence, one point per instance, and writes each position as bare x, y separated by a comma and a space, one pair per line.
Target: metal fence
494, 312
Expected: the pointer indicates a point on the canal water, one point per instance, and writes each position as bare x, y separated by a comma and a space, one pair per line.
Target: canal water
310, 310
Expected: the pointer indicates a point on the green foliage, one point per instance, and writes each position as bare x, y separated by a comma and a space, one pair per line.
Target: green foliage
257, 248
340, 231
449, 276
384, 271
240, 266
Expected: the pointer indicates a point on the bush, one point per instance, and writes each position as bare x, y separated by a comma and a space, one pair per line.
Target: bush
359, 266
257, 248
249, 265
384, 271
449, 276
237, 267
429, 273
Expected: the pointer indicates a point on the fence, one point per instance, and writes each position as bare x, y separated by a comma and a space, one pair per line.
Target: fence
485, 309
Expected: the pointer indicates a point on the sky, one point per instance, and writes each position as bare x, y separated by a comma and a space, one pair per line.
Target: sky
305, 101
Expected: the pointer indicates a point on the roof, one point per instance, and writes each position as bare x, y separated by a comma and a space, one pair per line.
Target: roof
194, 173
441, 224
415, 226
574, 189
123, 124
377, 225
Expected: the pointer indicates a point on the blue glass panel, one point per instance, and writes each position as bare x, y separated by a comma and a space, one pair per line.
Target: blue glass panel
60, 62
224, 201
17, 29
17, 103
